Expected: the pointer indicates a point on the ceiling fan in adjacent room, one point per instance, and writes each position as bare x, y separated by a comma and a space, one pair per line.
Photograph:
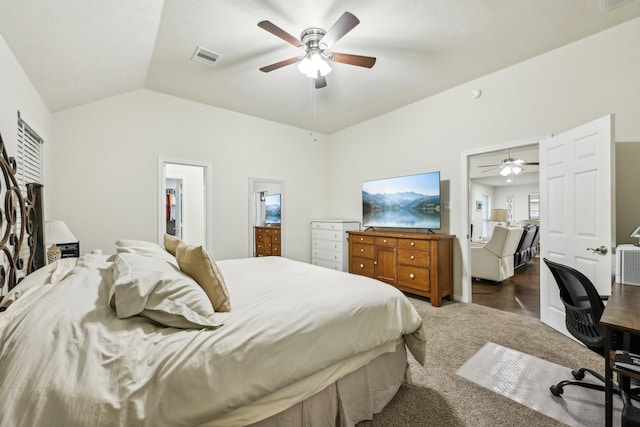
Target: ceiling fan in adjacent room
317, 44
509, 167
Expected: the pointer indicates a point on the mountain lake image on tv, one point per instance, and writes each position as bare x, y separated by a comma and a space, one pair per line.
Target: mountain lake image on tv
272, 209
411, 201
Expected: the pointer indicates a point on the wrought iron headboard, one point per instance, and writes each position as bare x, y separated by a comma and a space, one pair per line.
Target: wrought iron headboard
21, 225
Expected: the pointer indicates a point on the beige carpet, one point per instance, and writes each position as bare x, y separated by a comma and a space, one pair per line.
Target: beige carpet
455, 332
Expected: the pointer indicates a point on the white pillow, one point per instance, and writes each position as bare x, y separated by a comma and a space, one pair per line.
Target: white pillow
152, 288
143, 247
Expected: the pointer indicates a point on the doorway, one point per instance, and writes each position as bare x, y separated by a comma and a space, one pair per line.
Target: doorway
501, 196
184, 201
264, 192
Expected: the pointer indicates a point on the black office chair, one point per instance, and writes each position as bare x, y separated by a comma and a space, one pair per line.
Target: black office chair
583, 310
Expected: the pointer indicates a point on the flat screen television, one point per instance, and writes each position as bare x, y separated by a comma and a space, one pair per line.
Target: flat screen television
272, 209
411, 201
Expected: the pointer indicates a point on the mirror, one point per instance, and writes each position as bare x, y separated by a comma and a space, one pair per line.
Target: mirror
184, 201
266, 209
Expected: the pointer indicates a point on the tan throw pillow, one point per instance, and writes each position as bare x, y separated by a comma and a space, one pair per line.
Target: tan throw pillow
197, 263
171, 243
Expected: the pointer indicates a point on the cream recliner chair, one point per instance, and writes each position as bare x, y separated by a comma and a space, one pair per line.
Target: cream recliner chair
494, 259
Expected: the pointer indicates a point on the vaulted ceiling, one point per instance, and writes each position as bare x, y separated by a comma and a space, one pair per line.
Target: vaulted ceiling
80, 51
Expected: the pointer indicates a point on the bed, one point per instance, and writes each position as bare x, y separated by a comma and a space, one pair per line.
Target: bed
129, 338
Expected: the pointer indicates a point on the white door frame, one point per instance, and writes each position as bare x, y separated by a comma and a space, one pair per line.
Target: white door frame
208, 205
252, 212
465, 246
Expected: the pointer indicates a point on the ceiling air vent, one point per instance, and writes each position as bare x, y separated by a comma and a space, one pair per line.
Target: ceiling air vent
205, 56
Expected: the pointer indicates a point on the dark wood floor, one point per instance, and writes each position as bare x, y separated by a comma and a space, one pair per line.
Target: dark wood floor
519, 294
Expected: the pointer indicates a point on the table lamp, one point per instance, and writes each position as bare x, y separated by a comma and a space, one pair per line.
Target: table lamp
57, 232
498, 215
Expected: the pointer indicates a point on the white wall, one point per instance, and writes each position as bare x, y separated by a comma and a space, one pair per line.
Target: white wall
18, 94
545, 95
520, 195
106, 169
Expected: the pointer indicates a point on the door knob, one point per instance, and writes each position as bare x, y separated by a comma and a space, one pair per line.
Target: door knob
602, 250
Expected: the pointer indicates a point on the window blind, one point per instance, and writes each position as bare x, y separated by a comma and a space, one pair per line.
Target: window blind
29, 162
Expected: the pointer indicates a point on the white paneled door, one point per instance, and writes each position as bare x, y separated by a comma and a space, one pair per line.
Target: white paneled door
576, 217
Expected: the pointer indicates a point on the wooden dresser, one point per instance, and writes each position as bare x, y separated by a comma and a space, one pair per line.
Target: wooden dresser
267, 241
416, 263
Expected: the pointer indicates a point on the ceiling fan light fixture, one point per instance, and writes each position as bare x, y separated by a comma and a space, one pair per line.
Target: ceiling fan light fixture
510, 169
312, 64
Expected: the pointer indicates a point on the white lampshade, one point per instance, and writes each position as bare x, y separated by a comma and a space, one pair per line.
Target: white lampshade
510, 169
312, 63
56, 232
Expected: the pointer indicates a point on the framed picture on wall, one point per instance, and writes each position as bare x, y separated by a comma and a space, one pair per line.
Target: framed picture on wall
478, 205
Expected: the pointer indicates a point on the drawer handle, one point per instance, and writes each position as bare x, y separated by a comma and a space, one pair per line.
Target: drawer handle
413, 244
361, 265
385, 241
361, 239
412, 276
412, 257
361, 249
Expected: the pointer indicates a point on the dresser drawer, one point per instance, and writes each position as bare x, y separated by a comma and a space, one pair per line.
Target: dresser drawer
326, 244
335, 236
386, 241
275, 239
326, 254
414, 277
361, 266
275, 250
362, 239
332, 226
327, 264
415, 258
362, 251
421, 245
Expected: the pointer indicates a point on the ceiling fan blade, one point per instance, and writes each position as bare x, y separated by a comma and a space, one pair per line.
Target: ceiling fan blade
279, 32
321, 82
360, 61
343, 25
489, 170
530, 163
277, 65
488, 166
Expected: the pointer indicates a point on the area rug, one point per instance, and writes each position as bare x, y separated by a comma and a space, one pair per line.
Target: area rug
526, 380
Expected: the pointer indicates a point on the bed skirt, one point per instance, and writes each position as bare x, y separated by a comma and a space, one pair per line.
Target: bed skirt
344, 402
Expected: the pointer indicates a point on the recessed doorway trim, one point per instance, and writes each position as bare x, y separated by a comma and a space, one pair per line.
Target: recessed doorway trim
208, 195
466, 215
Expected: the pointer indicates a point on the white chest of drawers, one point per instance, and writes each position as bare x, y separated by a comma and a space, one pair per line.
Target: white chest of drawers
329, 247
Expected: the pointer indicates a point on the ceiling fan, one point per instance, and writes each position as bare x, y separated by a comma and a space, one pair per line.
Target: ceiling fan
509, 167
316, 44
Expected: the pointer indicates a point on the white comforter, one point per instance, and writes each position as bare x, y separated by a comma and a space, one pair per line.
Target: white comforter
67, 360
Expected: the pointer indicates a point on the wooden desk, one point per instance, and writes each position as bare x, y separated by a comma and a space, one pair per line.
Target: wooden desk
621, 313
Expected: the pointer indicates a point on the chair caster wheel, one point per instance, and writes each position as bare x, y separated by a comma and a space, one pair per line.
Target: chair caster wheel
555, 390
577, 375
